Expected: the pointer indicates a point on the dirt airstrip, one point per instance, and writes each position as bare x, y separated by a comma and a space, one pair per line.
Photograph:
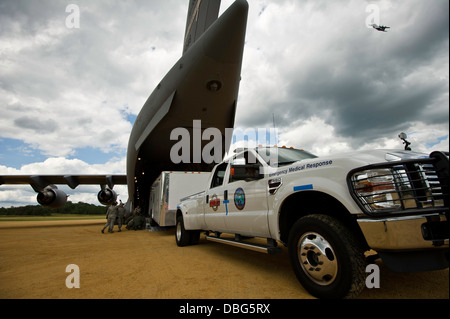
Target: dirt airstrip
144, 264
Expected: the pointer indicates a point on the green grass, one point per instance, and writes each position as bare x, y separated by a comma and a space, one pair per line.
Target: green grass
12, 218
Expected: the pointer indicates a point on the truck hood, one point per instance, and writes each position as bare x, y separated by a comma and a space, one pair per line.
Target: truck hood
378, 156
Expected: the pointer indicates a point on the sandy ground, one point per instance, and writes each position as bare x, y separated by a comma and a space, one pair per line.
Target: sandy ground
143, 264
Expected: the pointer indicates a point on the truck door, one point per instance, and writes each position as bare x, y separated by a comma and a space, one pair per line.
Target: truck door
248, 207
214, 208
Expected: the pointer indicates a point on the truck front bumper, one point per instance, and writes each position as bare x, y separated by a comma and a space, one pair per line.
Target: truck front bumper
409, 243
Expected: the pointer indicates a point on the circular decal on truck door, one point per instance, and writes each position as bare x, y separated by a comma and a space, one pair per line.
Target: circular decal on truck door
214, 202
239, 198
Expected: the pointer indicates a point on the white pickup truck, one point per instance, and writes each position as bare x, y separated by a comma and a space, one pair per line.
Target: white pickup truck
328, 211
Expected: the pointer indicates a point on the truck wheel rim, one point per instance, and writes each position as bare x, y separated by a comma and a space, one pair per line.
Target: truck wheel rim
317, 258
178, 231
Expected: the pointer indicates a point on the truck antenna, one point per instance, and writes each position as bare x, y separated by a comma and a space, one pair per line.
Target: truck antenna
275, 129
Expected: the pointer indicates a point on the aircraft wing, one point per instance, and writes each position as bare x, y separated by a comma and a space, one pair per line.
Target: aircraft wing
201, 14
50, 196
39, 182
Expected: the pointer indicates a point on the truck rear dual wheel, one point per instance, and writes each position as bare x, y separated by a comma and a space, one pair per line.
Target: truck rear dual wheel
326, 257
185, 237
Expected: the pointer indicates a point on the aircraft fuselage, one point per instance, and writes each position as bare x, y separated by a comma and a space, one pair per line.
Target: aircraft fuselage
202, 85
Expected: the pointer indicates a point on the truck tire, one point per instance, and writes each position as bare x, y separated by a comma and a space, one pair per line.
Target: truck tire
326, 257
185, 237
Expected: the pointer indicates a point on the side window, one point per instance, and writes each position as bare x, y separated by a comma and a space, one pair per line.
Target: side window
245, 159
244, 166
219, 175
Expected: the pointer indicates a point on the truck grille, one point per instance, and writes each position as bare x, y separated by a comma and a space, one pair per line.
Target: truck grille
418, 186
405, 187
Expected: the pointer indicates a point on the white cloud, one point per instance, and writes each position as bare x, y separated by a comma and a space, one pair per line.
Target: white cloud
17, 196
77, 84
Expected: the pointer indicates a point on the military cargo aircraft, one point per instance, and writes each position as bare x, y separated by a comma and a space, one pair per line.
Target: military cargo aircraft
380, 28
202, 85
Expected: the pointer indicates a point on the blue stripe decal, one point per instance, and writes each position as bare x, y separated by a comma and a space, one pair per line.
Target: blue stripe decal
226, 206
303, 187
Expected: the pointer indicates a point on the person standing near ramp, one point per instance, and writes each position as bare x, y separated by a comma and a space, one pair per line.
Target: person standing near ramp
111, 215
120, 215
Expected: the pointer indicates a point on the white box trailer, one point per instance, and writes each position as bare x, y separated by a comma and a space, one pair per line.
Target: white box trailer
168, 189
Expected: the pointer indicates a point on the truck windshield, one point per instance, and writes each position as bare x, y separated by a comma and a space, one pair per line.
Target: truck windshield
283, 156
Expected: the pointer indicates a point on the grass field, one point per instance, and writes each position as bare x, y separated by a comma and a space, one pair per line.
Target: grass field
12, 218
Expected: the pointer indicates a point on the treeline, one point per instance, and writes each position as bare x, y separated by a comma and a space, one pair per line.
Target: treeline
70, 208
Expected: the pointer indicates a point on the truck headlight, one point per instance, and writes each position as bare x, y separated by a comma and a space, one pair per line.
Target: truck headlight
376, 189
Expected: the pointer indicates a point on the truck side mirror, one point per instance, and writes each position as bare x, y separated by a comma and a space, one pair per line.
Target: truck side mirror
247, 172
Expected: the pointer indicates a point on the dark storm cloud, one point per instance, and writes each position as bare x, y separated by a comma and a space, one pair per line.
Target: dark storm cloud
374, 84
36, 125
24, 16
426, 35
43, 45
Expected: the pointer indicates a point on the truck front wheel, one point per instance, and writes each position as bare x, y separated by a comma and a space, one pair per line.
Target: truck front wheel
326, 257
185, 237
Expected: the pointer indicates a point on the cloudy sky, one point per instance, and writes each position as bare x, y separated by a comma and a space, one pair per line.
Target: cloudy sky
69, 94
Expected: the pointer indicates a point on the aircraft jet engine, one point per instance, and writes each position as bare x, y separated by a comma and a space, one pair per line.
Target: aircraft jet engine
106, 196
52, 197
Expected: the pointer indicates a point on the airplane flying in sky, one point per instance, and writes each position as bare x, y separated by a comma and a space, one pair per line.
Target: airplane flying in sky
380, 28
202, 85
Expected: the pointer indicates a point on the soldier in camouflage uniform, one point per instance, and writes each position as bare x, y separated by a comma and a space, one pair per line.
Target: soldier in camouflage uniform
120, 215
111, 215
138, 222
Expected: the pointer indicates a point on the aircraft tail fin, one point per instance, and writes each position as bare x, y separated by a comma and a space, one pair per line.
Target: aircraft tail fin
201, 14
